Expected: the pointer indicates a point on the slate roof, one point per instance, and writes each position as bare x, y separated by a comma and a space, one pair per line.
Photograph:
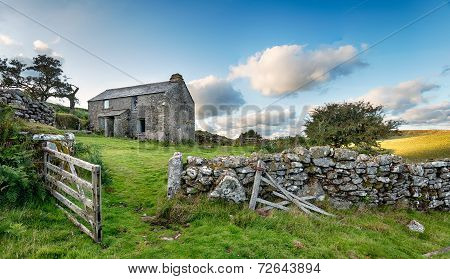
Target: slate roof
151, 88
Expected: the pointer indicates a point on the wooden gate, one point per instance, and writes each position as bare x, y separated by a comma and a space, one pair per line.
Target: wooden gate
76, 185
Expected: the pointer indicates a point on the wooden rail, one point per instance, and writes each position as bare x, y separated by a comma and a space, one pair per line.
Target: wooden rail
83, 200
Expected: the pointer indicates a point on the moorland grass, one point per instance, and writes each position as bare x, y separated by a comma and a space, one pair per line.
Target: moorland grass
209, 229
420, 145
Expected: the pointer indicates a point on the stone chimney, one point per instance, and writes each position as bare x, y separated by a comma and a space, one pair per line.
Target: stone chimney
176, 78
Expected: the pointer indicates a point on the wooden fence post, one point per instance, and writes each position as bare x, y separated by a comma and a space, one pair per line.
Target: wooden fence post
45, 165
256, 185
96, 184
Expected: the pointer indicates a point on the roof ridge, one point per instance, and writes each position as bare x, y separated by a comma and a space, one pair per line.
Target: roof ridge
133, 86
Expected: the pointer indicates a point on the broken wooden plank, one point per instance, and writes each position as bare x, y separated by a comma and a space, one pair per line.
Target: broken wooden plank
286, 193
283, 203
304, 203
311, 206
256, 186
272, 204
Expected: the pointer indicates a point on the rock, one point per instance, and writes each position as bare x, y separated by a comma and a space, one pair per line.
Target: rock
439, 164
303, 154
323, 162
313, 188
416, 170
416, 226
348, 187
292, 157
205, 170
358, 193
363, 158
347, 165
246, 169
340, 204
357, 180
230, 189
191, 172
192, 160
342, 154
384, 159
372, 170
383, 179
174, 174
419, 181
320, 151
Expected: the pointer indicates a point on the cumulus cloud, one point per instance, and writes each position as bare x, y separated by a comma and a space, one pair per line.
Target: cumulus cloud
43, 48
271, 122
6, 40
445, 70
433, 114
401, 97
214, 96
290, 68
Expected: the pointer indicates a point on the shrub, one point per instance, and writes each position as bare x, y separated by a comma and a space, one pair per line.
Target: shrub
357, 124
92, 155
67, 121
20, 182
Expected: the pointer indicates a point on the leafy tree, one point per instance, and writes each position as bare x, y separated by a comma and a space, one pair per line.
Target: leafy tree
251, 136
346, 124
41, 80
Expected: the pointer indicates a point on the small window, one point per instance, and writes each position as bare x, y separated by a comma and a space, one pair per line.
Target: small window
142, 125
133, 102
106, 104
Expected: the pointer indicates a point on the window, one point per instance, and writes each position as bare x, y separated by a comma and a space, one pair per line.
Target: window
133, 102
142, 125
106, 104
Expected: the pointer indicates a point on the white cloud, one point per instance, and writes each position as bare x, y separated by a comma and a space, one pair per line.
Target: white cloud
214, 96
434, 114
290, 68
271, 122
401, 97
7, 40
43, 48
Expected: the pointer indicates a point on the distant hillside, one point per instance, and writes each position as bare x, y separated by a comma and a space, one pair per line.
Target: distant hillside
67, 119
418, 145
204, 137
78, 112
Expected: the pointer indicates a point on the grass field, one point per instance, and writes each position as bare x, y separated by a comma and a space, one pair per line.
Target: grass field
208, 229
420, 144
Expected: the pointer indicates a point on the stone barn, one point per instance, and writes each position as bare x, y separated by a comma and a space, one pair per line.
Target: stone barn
163, 111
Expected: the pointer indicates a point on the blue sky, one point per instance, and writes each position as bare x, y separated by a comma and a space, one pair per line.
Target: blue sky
250, 53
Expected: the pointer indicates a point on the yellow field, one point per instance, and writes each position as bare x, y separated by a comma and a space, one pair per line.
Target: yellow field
420, 145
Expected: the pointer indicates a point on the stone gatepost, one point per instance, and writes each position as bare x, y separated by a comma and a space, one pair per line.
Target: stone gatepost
174, 174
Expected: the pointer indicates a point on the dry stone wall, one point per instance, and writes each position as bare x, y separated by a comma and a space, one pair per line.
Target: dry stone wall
25, 107
343, 177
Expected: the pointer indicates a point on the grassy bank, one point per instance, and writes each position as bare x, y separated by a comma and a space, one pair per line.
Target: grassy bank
207, 229
420, 145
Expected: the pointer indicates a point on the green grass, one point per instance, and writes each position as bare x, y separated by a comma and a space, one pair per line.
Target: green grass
209, 229
420, 145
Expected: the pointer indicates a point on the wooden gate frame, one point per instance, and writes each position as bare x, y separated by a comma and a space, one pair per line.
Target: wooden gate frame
56, 186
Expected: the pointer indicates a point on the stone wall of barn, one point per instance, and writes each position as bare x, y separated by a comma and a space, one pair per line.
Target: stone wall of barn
27, 108
343, 177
